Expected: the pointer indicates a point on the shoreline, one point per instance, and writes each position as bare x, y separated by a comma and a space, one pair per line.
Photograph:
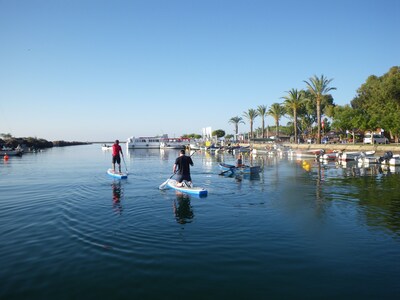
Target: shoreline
395, 148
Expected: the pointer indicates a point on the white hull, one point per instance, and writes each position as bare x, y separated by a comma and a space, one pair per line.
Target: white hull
394, 161
174, 143
355, 155
143, 143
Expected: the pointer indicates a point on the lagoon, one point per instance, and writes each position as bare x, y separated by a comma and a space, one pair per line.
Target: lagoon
69, 231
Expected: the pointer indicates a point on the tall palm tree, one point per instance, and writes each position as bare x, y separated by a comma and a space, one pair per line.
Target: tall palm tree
236, 121
276, 111
251, 114
262, 111
293, 102
319, 87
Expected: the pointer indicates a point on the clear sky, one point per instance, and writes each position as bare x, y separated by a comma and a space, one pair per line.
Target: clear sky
91, 70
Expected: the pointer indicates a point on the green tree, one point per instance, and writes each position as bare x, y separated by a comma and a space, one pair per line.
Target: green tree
347, 119
219, 133
236, 121
262, 112
319, 87
277, 111
251, 114
6, 136
379, 101
293, 102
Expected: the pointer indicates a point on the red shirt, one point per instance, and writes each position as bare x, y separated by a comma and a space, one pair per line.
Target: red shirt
116, 149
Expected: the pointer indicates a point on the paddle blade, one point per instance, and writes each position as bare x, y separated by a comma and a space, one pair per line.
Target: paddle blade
163, 185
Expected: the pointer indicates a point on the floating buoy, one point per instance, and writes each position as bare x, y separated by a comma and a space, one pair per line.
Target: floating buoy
5, 157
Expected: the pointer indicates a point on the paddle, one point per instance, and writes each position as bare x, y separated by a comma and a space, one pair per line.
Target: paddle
229, 170
164, 184
126, 168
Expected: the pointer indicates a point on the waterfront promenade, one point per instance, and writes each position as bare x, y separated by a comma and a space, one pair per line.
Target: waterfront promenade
394, 147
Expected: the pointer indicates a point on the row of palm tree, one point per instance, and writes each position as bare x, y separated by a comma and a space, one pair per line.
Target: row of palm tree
317, 89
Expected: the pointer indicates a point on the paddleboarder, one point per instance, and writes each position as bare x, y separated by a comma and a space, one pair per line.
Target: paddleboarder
116, 158
182, 169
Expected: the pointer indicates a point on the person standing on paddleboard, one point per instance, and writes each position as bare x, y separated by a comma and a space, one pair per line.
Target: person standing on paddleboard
116, 150
182, 168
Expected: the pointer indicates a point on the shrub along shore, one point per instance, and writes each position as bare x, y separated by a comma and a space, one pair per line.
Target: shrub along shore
31, 144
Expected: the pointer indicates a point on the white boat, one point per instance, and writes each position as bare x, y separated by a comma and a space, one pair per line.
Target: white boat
11, 152
106, 147
368, 158
194, 146
329, 156
390, 159
144, 142
313, 153
174, 143
354, 155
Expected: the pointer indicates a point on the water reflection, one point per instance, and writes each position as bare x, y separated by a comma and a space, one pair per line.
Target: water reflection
182, 209
373, 187
117, 196
140, 153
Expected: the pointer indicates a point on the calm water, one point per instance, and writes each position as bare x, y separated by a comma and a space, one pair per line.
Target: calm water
299, 231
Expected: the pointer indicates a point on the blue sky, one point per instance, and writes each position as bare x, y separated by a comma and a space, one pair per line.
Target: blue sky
93, 70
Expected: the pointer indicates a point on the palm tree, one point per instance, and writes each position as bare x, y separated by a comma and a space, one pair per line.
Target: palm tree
262, 111
319, 87
251, 114
293, 102
236, 120
276, 111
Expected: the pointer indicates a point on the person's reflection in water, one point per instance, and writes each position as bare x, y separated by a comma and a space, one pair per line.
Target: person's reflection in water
182, 208
117, 194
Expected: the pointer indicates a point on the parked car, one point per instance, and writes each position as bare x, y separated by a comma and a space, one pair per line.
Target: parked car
374, 138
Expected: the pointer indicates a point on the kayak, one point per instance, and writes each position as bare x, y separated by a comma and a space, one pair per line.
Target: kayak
231, 169
188, 190
117, 174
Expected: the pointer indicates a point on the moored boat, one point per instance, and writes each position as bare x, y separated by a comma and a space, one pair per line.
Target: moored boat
144, 142
174, 143
11, 152
390, 159
312, 153
354, 155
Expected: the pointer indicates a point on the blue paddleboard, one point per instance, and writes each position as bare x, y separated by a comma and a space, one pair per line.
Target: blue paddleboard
117, 174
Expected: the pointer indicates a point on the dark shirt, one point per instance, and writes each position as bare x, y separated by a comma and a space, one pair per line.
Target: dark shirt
183, 163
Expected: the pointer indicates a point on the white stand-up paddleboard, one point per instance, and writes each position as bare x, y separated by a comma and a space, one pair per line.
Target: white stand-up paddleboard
189, 190
117, 174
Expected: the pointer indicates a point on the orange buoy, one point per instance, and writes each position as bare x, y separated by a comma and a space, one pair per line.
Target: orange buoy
5, 157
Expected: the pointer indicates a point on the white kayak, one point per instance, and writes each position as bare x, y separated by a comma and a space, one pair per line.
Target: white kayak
119, 175
188, 190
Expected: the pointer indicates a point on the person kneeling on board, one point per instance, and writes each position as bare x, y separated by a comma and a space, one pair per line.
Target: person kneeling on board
182, 169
